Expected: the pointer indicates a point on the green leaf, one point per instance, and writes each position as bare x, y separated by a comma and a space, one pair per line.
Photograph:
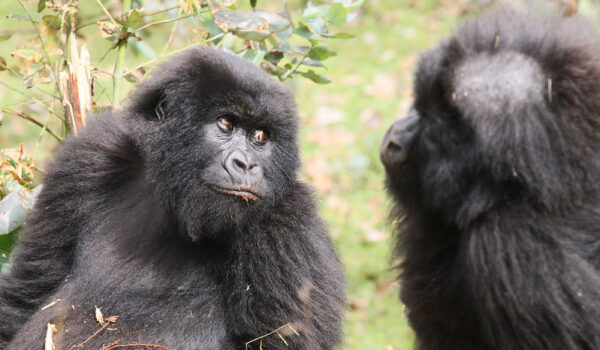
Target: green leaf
253, 3
5, 37
15, 207
305, 32
320, 53
336, 14
316, 77
313, 63
255, 56
41, 5
143, 48
273, 69
134, 19
2, 64
274, 57
52, 21
339, 36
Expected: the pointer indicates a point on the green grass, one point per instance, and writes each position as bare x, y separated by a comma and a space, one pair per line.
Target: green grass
371, 87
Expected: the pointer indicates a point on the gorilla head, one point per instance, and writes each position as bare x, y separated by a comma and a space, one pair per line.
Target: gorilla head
238, 130
496, 177
504, 111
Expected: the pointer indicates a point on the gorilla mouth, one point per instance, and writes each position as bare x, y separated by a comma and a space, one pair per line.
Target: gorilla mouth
246, 193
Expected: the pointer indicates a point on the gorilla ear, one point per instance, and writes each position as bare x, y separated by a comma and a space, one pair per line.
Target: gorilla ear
150, 101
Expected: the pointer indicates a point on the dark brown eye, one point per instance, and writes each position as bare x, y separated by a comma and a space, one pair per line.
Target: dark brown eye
260, 136
224, 124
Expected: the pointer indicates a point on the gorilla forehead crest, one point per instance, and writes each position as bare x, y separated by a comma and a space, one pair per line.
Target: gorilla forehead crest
497, 84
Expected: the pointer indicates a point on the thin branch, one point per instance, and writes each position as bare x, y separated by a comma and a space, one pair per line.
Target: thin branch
33, 120
106, 324
108, 13
287, 325
171, 36
162, 22
158, 59
120, 60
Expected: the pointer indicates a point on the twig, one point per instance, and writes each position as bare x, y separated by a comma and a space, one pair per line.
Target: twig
159, 58
288, 325
120, 60
108, 13
132, 345
171, 36
34, 121
162, 22
91, 337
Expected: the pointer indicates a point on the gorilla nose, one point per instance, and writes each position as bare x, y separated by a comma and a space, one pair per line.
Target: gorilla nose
397, 140
243, 167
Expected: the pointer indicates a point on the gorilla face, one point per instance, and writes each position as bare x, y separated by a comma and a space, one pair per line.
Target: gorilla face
229, 132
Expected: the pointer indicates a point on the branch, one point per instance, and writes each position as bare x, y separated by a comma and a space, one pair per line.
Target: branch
33, 120
120, 60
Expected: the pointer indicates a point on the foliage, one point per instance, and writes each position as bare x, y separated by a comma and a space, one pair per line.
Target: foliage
68, 81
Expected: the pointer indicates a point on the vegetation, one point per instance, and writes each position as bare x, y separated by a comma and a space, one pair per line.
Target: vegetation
43, 50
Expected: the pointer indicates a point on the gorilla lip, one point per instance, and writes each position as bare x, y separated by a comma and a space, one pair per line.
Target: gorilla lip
245, 193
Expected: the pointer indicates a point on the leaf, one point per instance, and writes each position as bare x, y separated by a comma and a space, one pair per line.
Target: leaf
339, 36
316, 77
2, 64
313, 63
255, 56
336, 14
320, 53
5, 37
41, 5
314, 12
349, 5
274, 57
15, 207
253, 3
304, 31
134, 19
52, 21
109, 30
143, 48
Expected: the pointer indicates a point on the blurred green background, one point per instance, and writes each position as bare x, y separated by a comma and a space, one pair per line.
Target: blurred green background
342, 125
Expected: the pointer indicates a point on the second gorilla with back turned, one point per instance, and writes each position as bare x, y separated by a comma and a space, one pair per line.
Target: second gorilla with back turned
496, 172
183, 216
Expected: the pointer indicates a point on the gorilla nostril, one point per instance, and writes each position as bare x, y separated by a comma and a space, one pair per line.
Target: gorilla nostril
393, 147
240, 164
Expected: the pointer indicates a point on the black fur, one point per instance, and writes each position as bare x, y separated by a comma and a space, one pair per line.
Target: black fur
498, 200
127, 222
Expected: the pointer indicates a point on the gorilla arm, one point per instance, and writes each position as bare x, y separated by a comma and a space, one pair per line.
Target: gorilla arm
289, 248
44, 255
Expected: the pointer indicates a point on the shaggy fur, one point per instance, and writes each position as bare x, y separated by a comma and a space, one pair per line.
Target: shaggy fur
126, 222
498, 201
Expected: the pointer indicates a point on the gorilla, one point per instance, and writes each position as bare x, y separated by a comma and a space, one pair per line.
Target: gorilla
496, 178
181, 215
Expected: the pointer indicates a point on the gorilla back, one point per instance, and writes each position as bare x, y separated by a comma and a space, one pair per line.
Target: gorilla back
183, 216
496, 176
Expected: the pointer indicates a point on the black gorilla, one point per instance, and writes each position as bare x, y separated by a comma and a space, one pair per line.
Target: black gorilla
183, 216
496, 176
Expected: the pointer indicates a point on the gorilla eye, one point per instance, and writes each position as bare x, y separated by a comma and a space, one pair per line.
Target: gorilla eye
260, 136
225, 124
